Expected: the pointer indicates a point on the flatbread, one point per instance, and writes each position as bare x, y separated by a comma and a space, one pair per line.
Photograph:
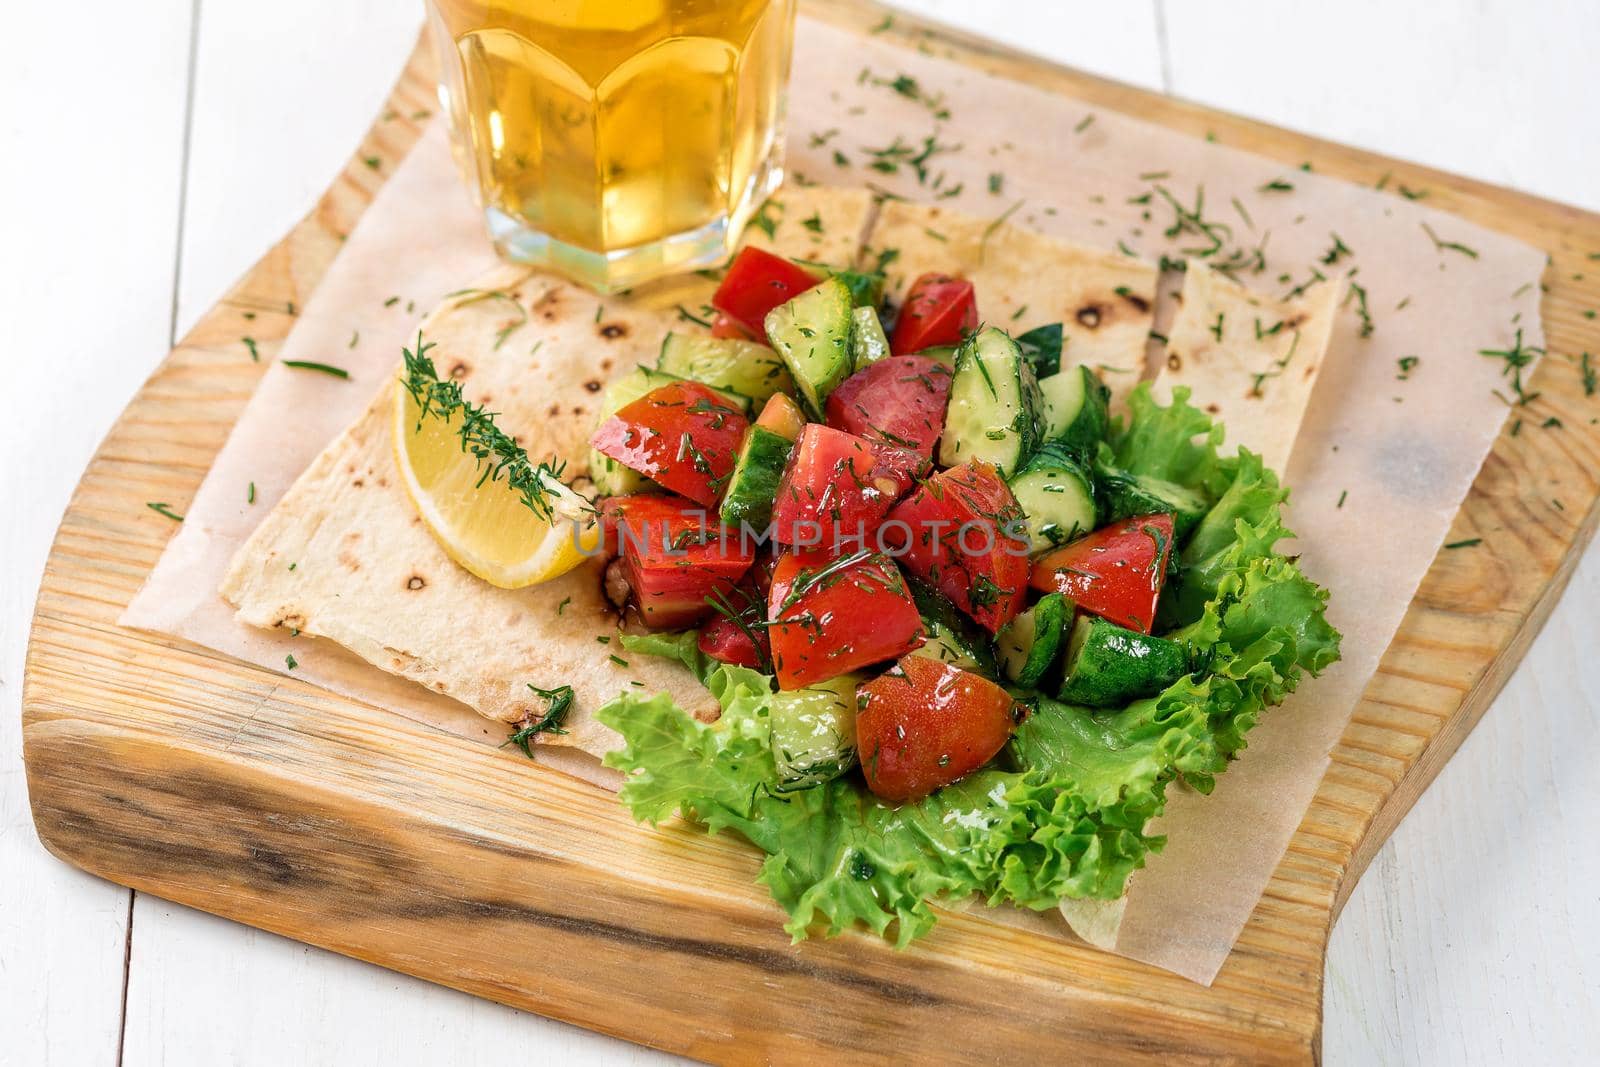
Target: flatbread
345, 557
1024, 279
1250, 360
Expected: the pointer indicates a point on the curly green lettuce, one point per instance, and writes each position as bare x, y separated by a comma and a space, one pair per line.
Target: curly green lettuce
1065, 817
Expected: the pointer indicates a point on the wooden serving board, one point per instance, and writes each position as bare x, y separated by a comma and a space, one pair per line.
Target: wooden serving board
180, 772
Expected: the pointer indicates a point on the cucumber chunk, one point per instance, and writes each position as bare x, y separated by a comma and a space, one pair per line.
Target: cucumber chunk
1057, 496
746, 368
1126, 495
868, 342
866, 287
952, 637
812, 334
1107, 666
994, 405
1029, 644
945, 354
753, 485
610, 477
1075, 408
814, 732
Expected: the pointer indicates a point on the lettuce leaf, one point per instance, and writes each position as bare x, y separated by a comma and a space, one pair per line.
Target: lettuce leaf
1066, 816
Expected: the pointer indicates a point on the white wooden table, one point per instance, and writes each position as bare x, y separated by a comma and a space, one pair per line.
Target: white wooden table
150, 152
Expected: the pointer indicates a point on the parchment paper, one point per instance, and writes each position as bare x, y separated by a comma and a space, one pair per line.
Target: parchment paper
1379, 471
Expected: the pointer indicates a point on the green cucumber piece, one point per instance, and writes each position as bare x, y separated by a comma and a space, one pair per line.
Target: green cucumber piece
866, 287
1075, 408
1107, 665
1029, 644
744, 367
1057, 496
868, 342
812, 334
945, 354
1042, 346
1126, 495
952, 637
994, 405
610, 477
814, 732
753, 485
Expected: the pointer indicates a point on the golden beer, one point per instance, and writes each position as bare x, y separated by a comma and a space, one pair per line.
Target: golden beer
616, 140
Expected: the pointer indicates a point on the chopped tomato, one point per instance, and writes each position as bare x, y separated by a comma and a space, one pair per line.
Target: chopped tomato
939, 310
683, 435
724, 327
962, 530
758, 281
832, 614
726, 641
924, 724
1115, 573
899, 401
837, 488
674, 556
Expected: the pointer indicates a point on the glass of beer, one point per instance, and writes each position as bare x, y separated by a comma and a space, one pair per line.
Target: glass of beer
616, 140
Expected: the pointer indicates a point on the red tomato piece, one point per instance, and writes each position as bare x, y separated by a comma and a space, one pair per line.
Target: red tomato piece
727, 642
938, 310
683, 435
758, 281
924, 724
674, 556
724, 327
1115, 573
899, 401
837, 488
832, 614
962, 530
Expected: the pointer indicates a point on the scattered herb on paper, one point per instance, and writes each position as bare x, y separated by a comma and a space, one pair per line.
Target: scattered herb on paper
1441, 245
320, 368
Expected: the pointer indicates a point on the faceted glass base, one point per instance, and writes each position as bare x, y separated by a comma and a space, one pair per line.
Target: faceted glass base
607, 272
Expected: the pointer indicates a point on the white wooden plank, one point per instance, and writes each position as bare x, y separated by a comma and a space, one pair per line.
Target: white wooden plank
283, 94
205, 991
91, 135
1475, 936
1118, 41
277, 112
1494, 89
1469, 938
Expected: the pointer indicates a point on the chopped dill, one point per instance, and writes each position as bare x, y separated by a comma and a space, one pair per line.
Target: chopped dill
559, 703
1441, 245
497, 454
320, 368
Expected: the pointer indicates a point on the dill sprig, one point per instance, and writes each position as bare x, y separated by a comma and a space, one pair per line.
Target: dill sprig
1515, 358
1212, 237
497, 454
320, 368
551, 722
1359, 292
1441, 245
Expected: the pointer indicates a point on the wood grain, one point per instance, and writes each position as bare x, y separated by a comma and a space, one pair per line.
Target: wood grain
177, 771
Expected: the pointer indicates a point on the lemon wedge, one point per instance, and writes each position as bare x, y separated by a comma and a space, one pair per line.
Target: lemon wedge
484, 524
